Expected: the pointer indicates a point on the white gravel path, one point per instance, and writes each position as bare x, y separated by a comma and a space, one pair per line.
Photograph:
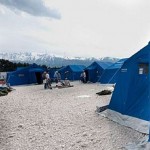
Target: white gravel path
32, 118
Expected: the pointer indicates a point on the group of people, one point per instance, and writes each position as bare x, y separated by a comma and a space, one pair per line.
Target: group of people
57, 78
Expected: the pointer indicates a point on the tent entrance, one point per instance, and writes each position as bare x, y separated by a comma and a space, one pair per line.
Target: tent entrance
87, 75
38, 77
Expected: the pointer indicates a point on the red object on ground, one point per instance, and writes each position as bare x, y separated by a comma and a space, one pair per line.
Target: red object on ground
2, 82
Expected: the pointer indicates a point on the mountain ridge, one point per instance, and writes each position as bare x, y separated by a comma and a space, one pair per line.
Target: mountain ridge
51, 60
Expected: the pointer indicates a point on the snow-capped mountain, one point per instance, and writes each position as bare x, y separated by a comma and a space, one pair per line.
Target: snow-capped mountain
51, 60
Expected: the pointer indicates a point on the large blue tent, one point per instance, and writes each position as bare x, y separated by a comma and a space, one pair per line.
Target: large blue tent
52, 72
71, 72
95, 70
111, 73
130, 102
26, 75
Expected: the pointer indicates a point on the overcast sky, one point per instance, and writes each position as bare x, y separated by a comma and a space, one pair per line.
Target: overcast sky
86, 28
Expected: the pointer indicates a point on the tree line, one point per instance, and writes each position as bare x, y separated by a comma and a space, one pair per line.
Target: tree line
7, 66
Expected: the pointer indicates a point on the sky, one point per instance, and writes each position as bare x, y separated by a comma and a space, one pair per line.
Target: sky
75, 28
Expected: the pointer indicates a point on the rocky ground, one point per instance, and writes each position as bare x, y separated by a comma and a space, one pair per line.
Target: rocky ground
32, 118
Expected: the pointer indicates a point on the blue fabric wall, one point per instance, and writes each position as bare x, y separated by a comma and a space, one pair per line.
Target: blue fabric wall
95, 70
52, 71
18, 77
131, 95
110, 74
25, 75
74, 72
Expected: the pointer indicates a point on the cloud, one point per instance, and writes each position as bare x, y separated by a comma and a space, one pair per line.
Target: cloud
32, 7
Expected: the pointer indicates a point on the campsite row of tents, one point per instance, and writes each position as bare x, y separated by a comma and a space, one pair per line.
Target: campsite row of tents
131, 98
130, 102
103, 72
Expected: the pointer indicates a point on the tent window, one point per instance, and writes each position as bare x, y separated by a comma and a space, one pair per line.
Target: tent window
21, 75
143, 68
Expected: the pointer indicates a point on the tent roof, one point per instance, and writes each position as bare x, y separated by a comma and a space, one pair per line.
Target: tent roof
103, 65
31, 68
74, 68
118, 64
77, 68
36, 70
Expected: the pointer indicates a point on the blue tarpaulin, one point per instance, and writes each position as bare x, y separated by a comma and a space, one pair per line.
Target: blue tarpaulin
130, 102
110, 74
95, 70
25, 75
71, 72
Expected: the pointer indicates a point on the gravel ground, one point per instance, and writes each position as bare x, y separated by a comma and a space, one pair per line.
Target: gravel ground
32, 118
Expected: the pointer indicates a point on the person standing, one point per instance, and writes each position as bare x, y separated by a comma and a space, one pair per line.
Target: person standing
84, 77
57, 76
48, 81
44, 79
81, 77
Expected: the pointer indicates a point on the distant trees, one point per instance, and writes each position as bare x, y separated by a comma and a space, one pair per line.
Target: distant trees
6, 65
44, 66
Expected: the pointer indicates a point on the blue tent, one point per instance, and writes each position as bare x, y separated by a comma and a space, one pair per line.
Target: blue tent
110, 74
52, 71
71, 72
130, 102
95, 70
26, 75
